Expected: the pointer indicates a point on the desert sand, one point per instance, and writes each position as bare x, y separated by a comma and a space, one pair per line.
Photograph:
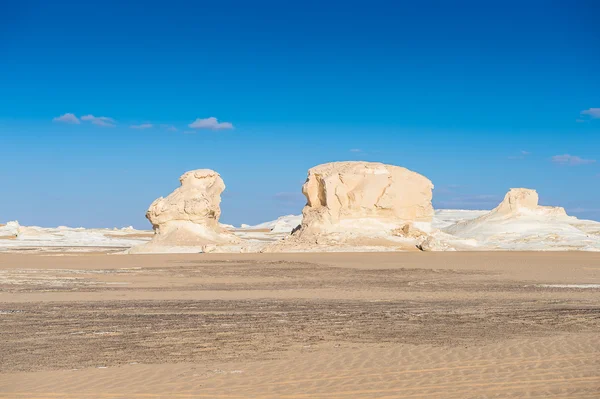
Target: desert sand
309, 325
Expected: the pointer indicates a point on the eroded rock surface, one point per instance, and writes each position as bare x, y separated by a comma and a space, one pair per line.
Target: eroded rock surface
361, 204
188, 219
519, 223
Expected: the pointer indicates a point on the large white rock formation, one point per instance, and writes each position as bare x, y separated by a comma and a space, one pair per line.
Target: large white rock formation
356, 205
188, 219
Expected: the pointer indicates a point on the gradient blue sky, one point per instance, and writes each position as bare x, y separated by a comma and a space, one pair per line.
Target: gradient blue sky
478, 97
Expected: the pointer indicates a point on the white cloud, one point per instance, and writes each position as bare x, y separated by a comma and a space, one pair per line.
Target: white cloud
67, 118
584, 210
142, 126
169, 128
210, 123
469, 201
99, 120
356, 150
567, 159
290, 197
593, 113
522, 155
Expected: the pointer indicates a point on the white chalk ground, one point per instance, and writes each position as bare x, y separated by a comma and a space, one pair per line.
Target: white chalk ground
447, 217
529, 231
283, 224
16, 238
452, 230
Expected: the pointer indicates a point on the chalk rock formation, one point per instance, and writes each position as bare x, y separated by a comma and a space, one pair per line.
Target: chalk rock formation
520, 201
283, 224
519, 223
518, 204
10, 229
188, 219
361, 204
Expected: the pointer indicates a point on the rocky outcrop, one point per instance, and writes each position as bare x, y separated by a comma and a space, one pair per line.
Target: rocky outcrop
9, 230
188, 219
519, 223
362, 204
519, 204
524, 201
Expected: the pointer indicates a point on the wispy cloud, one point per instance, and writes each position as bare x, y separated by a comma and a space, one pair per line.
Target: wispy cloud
210, 123
67, 118
568, 159
447, 188
522, 155
469, 201
294, 197
142, 126
584, 210
593, 113
356, 150
99, 120
169, 128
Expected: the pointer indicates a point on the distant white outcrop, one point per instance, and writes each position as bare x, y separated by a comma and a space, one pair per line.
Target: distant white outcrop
10, 229
14, 237
519, 223
188, 219
283, 224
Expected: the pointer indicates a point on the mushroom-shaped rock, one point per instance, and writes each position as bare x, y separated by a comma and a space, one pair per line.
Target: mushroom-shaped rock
361, 204
188, 219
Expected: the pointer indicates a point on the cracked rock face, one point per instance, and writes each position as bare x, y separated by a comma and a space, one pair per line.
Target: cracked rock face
339, 193
189, 216
360, 204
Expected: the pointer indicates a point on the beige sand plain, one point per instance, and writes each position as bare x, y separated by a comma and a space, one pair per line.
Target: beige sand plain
376, 325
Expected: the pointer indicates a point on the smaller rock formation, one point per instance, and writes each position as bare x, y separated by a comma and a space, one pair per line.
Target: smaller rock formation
361, 204
518, 204
188, 219
520, 201
518, 223
10, 230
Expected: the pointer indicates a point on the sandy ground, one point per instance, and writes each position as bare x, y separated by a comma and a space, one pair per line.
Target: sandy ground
377, 325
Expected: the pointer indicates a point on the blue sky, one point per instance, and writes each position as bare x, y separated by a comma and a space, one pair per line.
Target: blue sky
478, 97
